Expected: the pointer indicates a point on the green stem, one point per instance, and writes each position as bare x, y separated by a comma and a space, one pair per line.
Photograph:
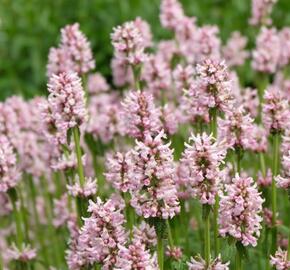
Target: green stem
170, 239
238, 260
263, 164
136, 74
17, 216
79, 156
206, 220
288, 251
276, 138
213, 130
160, 252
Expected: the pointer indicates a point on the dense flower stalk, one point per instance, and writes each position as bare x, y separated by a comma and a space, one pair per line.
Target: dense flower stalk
239, 213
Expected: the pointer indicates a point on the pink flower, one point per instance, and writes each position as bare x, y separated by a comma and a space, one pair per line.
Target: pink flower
122, 73
73, 55
283, 180
61, 211
275, 110
117, 166
239, 212
194, 103
267, 53
265, 181
202, 160
280, 260
174, 252
234, 51
97, 84
208, 44
145, 234
284, 36
170, 13
156, 73
261, 11
152, 173
145, 30
135, 257
65, 108
105, 121
198, 263
6, 206
140, 115
183, 77
169, 118
236, 129
9, 175
250, 101
88, 190
99, 238
128, 43
268, 217
26, 253
214, 77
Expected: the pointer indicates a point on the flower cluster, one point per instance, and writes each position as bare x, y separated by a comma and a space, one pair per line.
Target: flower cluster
201, 162
280, 260
154, 193
73, 55
261, 11
65, 107
239, 212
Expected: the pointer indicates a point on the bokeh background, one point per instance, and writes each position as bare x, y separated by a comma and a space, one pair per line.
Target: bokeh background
28, 28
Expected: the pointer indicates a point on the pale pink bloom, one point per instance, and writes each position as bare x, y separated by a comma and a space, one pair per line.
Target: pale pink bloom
268, 218
59, 61
280, 261
250, 101
99, 238
214, 77
234, 51
169, 118
267, 52
105, 121
265, 181
239, 212
66, 162
140, 115
275, 110
236, 129
283, 84
283, 180
79, 48
185, 33
261, 11
194, 104
282, 241
174, 252
171, 12
9, 174
284, 36
152, 173
145, 30
117, 166
128, 43
135, 257
88, 190
65, 108
167, 49
145, 234
207, 42
122, 73
198, 263
97, 84
183, 77
156, 74
259, 139
25, 254
73, 55
202, 159
60, 211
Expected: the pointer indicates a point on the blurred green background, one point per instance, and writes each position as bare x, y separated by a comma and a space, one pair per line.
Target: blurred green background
28, 28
